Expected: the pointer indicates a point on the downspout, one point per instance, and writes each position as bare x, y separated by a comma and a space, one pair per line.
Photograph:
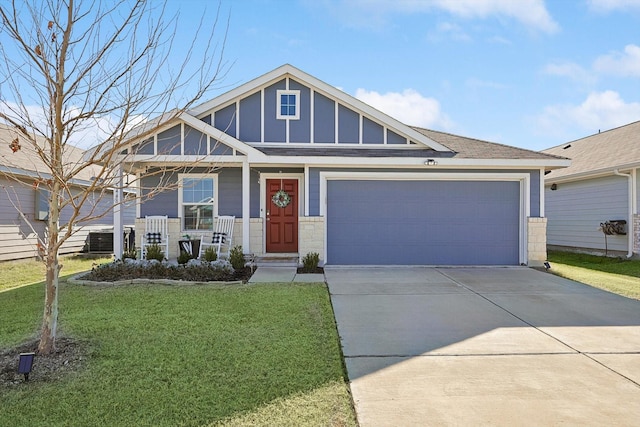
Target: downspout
630, 211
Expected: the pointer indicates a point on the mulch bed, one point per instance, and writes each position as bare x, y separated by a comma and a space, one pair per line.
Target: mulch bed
70, 356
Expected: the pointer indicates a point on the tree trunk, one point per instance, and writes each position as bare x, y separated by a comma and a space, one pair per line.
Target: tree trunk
50, 317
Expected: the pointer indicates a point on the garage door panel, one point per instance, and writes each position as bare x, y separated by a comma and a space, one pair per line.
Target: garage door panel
422, 222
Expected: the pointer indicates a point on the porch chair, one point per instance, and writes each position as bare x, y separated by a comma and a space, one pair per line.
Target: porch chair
222, 238
155, 233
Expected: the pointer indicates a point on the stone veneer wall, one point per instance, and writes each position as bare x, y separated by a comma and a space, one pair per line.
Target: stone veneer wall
311, 236
536, 241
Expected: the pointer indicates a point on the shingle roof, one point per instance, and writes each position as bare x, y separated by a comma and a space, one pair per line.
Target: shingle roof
460, 146
602, 152
470, 148
333, 151
26, 160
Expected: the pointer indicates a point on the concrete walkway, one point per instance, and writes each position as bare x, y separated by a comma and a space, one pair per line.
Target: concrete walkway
486, 346
283, 275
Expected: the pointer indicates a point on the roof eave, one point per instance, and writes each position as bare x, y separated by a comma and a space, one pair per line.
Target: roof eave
593, 173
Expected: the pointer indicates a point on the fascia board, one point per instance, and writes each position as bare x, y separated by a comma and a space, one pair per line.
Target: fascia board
39, 175
591, 174
180, 160
404, 161
332, 91
226, 139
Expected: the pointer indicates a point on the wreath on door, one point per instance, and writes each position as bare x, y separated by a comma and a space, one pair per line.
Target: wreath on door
281, 199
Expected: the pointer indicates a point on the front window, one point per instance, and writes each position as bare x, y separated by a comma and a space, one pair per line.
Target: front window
288, 104
197, 202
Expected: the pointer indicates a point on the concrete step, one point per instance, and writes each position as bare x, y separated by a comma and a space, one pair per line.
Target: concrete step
277, 261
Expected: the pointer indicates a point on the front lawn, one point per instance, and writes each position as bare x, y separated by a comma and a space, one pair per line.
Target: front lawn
618, 275
24, 272
194, 355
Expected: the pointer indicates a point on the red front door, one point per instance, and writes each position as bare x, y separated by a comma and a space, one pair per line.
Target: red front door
282, 222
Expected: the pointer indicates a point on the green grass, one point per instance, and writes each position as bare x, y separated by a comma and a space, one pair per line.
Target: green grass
194, 355
25, 272
618, 275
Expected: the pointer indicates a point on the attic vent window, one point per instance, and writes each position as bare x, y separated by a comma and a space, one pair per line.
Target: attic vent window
288, 104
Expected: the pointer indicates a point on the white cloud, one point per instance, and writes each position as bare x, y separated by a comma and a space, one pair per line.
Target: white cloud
531, 13
409, 107
625, 63
570, 70
604, 6
374, 13
450, 31
601, 110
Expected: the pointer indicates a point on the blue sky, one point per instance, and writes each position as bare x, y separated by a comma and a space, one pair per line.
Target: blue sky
528, 73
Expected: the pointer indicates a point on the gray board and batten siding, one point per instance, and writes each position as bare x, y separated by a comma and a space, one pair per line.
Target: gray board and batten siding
576, 209
254, 120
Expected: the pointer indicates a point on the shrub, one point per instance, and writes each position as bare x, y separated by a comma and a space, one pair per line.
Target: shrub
310, 262
210, 254
236, 258
194, 271
154, 252
184, 257
130, 253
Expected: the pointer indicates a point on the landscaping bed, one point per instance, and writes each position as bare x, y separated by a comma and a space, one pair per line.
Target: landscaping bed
192, 271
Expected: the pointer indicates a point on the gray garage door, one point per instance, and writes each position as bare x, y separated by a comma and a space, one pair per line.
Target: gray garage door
422, 222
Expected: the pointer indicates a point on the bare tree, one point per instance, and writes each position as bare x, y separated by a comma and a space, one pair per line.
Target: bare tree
68, 67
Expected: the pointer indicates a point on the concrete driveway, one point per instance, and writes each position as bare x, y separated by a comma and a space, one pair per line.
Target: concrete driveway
485, 346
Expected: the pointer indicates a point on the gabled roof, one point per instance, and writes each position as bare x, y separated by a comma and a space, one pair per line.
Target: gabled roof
26, 162
599, 154
448, 149
307, 79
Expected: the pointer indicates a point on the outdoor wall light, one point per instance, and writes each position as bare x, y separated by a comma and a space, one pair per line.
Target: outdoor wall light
25, 365
554, 187
430, 162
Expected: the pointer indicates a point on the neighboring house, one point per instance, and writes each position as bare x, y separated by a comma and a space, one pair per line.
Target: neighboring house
22, 202
364, 188
600, 186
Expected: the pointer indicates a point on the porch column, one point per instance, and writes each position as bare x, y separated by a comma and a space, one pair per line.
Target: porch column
246, 211
118, 215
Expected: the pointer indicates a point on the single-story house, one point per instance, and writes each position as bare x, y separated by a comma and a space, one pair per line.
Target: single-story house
24, 204
305, 167
600, 187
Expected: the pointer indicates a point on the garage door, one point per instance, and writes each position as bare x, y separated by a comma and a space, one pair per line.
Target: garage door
422, 222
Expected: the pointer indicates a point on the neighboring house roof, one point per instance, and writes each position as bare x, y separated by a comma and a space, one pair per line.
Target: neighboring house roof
26, 162
599, 154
